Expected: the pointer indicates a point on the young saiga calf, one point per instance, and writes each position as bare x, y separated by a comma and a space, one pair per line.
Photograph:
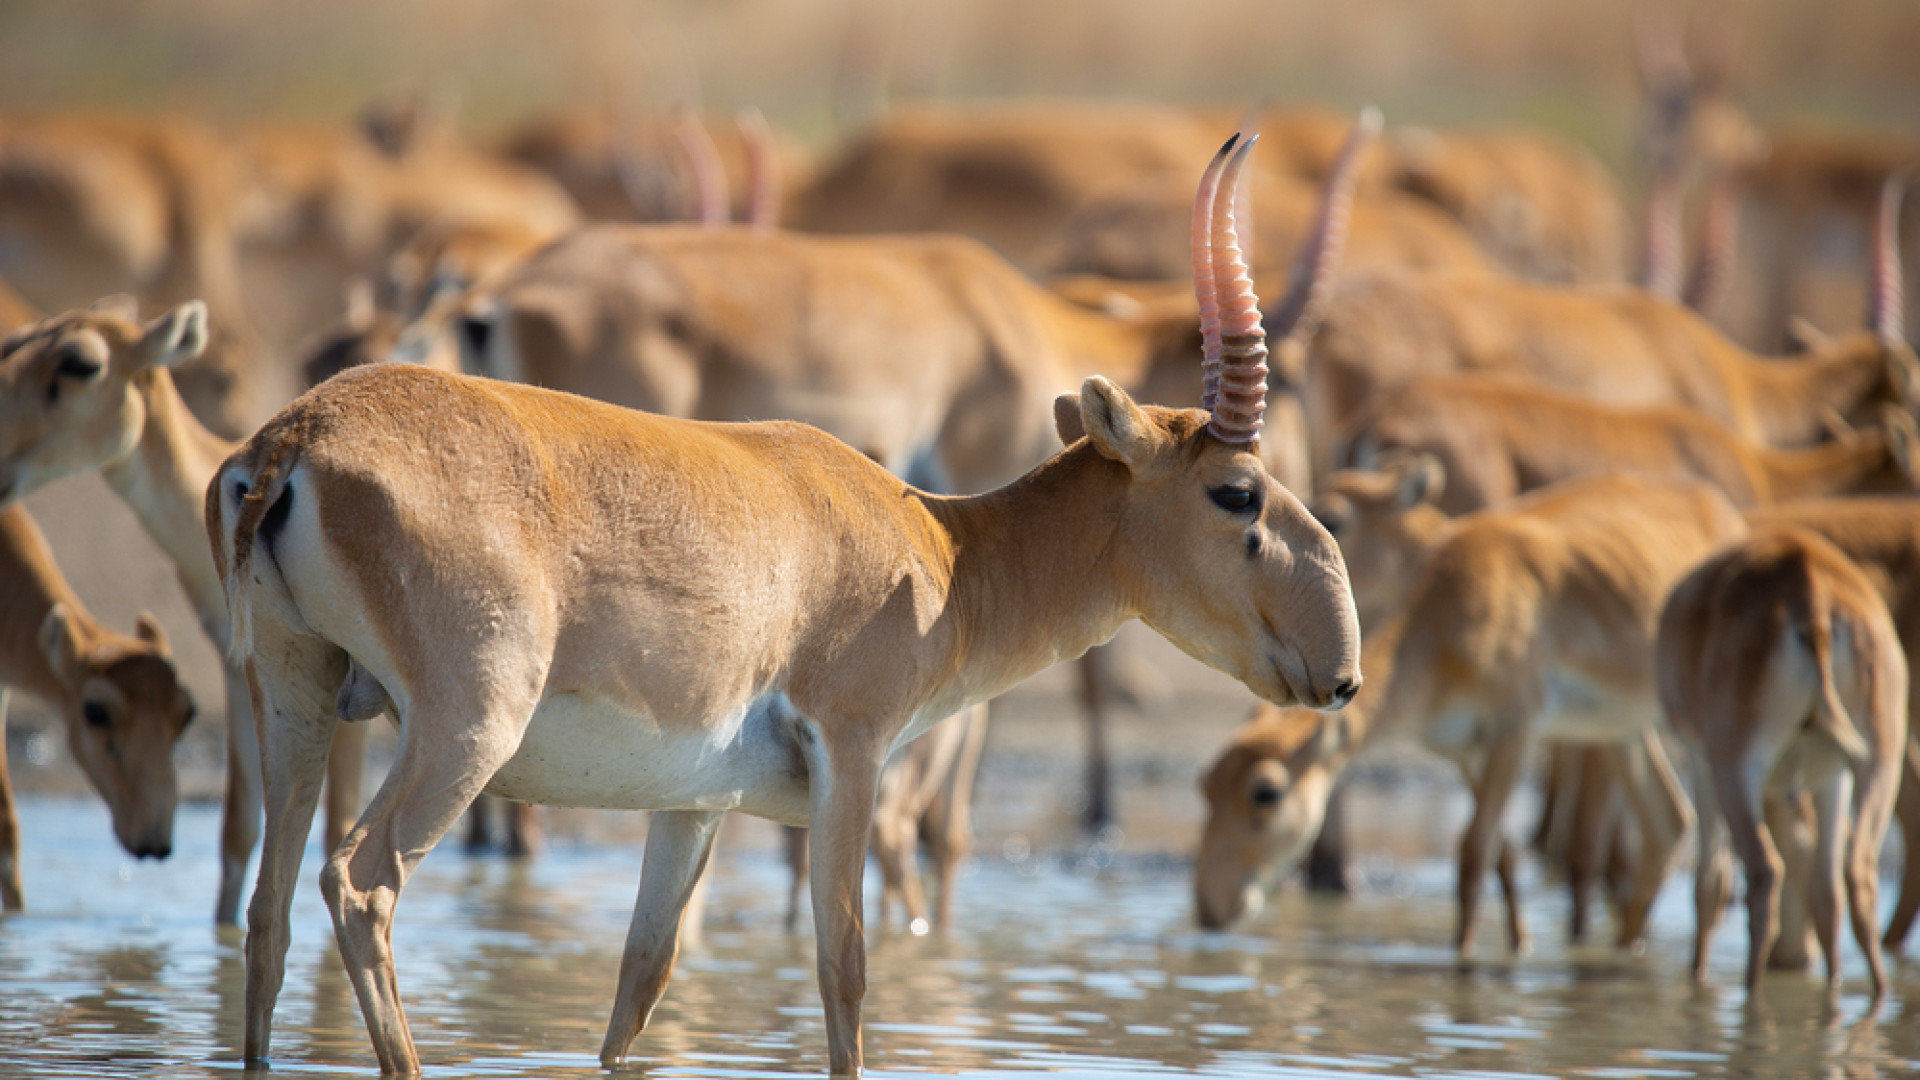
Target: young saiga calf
571, 603
1780, 667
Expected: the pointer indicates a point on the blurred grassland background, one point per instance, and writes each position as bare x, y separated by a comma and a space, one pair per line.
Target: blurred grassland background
1566, 65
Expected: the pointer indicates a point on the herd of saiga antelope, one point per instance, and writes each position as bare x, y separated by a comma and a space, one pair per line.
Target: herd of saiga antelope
1562, 509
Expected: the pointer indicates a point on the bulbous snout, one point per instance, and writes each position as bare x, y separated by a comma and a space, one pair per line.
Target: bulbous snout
1319, 641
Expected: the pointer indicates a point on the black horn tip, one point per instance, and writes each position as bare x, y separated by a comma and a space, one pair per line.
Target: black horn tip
1227, 146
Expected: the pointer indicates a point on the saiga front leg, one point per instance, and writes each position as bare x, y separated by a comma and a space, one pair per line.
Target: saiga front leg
844, 780
678, 844
1482, 842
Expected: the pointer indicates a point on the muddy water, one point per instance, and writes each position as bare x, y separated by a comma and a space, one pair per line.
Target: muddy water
1079, 963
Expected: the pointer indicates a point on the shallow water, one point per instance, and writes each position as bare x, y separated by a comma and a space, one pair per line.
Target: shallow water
1061, 965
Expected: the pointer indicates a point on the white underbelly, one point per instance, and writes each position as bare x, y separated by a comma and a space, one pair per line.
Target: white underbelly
1577, 709
584, 751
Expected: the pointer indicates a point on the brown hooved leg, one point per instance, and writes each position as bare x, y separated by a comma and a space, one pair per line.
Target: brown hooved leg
1481, 845
679, 843
1663, 816
295, 679
11, 897
240, 809
844, 782
424, 796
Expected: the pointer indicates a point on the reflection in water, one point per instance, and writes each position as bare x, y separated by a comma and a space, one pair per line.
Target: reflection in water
509, 972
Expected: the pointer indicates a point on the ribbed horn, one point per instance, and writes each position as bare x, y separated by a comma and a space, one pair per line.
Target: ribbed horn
1886, 290
1203, 285
1249, 130
1241, 388
1716, 244
1299, 315
763, 170
703, 166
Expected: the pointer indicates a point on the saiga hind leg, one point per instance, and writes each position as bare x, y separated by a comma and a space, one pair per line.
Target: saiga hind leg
1791, 825
1713, 878
240, 808
425, 794
294, 681
1831, 803
1908, 810
1663, 814
1740, 791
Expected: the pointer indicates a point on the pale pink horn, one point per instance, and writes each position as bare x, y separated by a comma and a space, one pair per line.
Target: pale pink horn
1305, 304
1886, 288
1203, 284
1241, 394
763, 170
703, 165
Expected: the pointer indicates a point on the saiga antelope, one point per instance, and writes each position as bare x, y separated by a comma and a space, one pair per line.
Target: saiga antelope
928, 352
1498, 437
1882, 537
1534, 620
1622, 346
620, 170
118, 697
1780, 667
99, 203
94, 390
568, 602
319, 205
1544, 208
1138, 232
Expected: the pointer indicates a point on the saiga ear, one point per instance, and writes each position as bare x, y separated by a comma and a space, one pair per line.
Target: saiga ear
1066, 419
118, 306
149, 630
177, 336
1118, 428
58, 641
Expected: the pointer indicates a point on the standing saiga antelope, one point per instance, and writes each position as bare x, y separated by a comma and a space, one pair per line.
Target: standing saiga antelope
1781, 668
1882, 537
930, 353
571, 603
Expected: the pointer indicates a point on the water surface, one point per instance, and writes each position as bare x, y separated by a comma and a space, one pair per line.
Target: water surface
1074, 963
